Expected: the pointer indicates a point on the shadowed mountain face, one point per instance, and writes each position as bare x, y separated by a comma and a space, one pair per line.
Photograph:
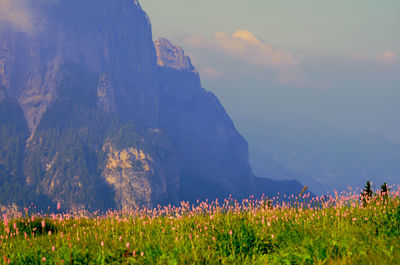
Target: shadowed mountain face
214, 153
99, 124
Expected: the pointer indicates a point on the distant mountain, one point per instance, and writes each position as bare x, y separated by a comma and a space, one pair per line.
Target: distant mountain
324, 157
265, 167
95, 115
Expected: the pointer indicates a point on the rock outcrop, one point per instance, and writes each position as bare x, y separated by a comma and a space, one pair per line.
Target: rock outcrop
172, 56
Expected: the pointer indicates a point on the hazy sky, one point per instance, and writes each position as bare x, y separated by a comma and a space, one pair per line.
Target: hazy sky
337, 61
333, 27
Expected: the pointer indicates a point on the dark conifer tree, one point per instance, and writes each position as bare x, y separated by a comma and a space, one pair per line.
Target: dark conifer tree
384, 190
367, 193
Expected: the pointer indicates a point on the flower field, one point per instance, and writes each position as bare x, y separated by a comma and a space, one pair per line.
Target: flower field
339, 229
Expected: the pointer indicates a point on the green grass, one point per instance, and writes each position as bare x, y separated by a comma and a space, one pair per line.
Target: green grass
339, 230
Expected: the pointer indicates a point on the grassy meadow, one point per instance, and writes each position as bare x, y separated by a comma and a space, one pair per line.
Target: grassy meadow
338, 229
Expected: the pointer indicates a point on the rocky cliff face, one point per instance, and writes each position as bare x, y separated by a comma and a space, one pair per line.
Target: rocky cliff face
215, 155
172, 56
82, 72
99, 124
88, 158
138, 177
112, 38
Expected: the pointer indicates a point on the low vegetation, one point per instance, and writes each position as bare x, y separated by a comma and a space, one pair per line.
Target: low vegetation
346, 228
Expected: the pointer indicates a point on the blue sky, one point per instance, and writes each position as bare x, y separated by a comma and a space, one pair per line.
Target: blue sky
335, 61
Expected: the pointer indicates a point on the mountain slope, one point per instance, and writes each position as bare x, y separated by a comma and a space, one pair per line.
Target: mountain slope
13, 135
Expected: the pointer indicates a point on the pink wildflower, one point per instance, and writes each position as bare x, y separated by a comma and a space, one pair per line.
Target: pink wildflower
5, 220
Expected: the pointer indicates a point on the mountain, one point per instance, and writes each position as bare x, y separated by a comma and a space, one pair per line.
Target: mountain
265, 166
214, 153
112, 39
324, 157
103, 118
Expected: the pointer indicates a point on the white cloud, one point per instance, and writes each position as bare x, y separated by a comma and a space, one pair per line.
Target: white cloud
388, 56
246, 46
17, 13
